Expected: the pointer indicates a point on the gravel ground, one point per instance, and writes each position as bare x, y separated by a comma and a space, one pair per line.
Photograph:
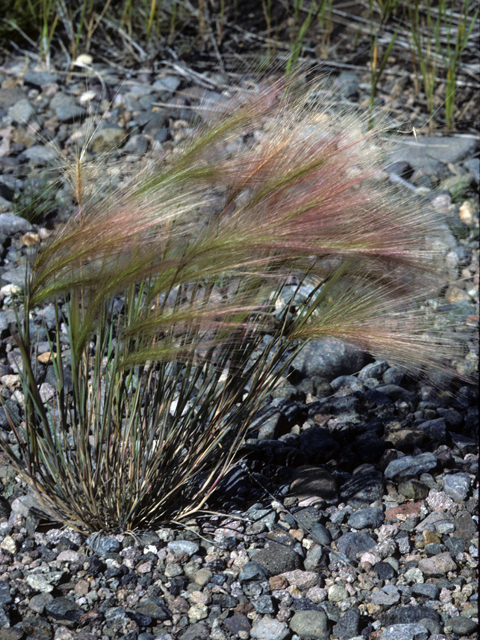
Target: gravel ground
355, 514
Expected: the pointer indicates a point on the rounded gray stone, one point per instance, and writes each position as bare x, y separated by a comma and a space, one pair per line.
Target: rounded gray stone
462, 626
310, 624
457, 486
369, 517
410, 466
277, 558
353, 543
22, 111
328, 359
268, 628
184, 546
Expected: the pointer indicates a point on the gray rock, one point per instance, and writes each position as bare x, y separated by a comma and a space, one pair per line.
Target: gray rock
39, 154
387, 595
253, 571
353, 543
347, 84
413, 489
373, 370
107, 139
384, 570
264, 604
410, 466
310, 624
348, 382
22, 111
198, 631
438, 565
463, 443
328, 359
184, 546
473, 165
446, 150
457, 486
321, 534
63, 610
39, 602
427, 590
153, 607
137, 144
454, 545
349, 624
103, 544
307, 517
363, 488
70, 112
11, 224
435, 429
405, 632
394, 375
37, 628
39, 78
8, 97
337, 593
268, 628
277, 558
366, 518
169, 83
313, 559
5, 596
237, 622
15, 276
461, 625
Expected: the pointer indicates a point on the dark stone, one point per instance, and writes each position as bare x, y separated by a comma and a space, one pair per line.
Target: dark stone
5, 597
363, 488
465, 527
384, 570
277, 558
141, 619
264, 604
436, 429
427, 590
103, 544
454, 545
462, 626
37, 628
63, 610
96, 566
224, 600
253, 571
318, 445
349, 624
39, 78
369, 517
321, 535
353, 543
375, 398
328, 359
154, 608
305, 604
238, 622
198, 631
408, 615
307, 517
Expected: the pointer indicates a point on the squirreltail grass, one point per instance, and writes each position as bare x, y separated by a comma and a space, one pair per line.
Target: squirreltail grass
170, 296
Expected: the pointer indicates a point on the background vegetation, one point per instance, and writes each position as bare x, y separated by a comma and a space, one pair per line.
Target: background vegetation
435, 42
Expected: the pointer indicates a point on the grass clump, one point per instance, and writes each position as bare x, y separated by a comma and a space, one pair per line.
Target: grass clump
172, 324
